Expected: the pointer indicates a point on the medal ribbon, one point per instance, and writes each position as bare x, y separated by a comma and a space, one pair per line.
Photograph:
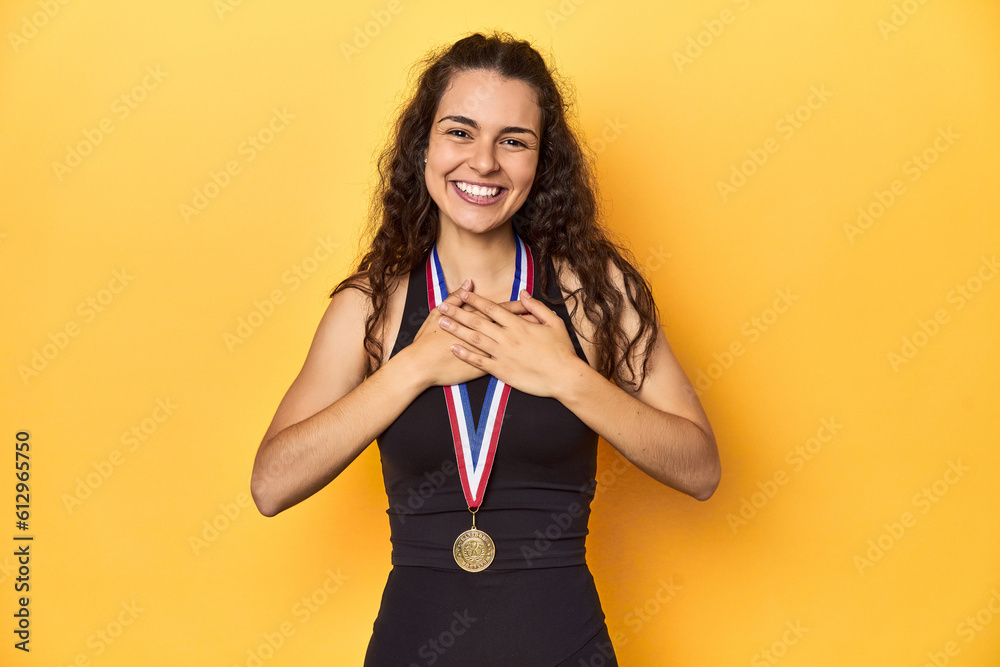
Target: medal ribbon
474, 460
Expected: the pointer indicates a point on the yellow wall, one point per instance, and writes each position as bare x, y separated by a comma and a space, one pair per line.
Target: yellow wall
849, 367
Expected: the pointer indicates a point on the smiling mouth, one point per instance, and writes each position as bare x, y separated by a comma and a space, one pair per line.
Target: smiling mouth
475, 194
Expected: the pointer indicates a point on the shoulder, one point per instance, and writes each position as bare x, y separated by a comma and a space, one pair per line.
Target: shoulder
350, 308
613, 278
350, 303
337, 360
625, 317
339, 338
572, 292
572, 281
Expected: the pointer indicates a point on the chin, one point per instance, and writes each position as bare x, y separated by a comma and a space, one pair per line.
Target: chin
478, 228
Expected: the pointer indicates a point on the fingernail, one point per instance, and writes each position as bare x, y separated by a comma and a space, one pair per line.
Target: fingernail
444, 308
466, 284
445, 322
524, 294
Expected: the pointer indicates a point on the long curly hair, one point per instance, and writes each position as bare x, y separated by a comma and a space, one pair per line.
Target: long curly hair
561, 218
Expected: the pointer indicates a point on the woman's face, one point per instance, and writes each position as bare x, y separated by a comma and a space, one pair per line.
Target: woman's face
486, 132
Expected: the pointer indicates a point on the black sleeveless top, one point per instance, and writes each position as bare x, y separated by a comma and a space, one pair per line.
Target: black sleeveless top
537, 501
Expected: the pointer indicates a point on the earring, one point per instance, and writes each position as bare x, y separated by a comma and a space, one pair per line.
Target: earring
425, 159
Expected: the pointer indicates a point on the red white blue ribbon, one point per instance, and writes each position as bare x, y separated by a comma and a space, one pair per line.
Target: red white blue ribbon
476, 442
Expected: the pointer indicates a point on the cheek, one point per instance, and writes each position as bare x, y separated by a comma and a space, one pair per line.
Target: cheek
523, 173
527, 184
447, 154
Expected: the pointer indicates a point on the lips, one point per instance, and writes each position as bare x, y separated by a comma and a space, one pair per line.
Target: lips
475, 199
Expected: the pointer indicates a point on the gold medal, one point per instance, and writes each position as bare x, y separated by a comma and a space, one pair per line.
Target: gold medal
475, 446
474, 549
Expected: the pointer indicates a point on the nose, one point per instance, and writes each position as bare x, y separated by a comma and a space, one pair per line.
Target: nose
484, 158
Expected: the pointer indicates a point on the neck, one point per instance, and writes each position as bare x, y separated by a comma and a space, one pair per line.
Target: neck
488, 259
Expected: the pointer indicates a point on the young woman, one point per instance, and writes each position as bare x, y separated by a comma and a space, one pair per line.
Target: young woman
476, 342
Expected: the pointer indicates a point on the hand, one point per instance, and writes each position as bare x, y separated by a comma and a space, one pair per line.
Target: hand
430, 350
431, 346
515, 307
532, 353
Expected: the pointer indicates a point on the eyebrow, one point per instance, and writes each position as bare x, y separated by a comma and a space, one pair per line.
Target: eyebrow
510, 129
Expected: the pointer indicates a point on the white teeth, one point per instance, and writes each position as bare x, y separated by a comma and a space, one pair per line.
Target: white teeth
477, 190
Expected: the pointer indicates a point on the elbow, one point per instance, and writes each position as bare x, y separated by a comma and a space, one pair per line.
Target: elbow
266, 504
709, 481
706, 490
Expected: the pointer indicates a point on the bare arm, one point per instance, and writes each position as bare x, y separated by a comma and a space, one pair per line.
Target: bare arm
662, 428
331, 412
322, 423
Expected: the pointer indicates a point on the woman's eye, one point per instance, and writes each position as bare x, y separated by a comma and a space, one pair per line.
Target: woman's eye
462, 134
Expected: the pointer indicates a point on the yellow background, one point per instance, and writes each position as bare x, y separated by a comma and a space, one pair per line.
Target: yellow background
666, 131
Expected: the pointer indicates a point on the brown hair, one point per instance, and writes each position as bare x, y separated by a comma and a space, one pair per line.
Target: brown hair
561, 217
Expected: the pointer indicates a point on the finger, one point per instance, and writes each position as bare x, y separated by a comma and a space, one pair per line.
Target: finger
472, 328
455, 298
470, 316
543, 313
520, 310
490, 309
456, 339
515, 307
478, 360
449, 307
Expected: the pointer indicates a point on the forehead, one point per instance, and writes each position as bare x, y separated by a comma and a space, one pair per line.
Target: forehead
490, 100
